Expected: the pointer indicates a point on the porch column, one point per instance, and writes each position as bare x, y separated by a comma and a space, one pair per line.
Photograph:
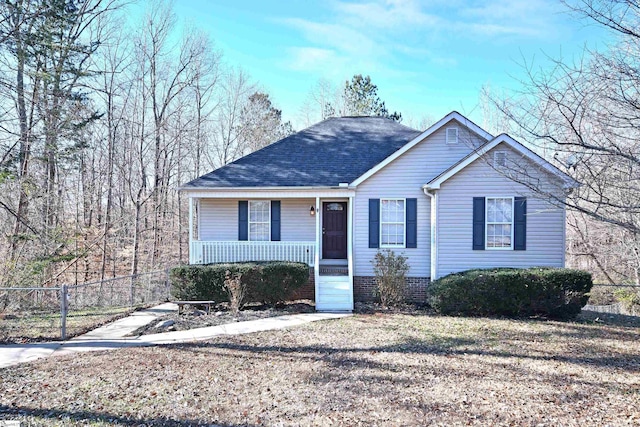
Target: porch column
350, 214
316, 262
191, 254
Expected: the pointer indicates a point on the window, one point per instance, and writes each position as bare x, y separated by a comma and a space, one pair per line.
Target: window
499, 159
392, 218
259, 220
499, 222
452, 135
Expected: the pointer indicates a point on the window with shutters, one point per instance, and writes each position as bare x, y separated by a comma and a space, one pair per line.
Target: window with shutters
452, 135
499, 223
392, 223
259, 220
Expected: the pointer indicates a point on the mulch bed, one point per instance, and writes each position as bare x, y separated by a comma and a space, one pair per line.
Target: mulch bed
192, 318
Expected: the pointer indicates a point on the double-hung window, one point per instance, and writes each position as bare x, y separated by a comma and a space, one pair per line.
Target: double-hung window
392, 223
499, 223
259, 220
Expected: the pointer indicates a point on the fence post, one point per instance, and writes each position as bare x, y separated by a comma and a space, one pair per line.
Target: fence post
63, 312
131, 296
168, 284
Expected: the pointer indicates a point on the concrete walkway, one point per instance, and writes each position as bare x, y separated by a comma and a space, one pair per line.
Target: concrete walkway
113, 335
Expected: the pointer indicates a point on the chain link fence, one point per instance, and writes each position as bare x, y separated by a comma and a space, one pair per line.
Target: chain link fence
614, 299
33, 314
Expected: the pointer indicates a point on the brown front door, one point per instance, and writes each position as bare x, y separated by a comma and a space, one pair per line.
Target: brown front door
334, 230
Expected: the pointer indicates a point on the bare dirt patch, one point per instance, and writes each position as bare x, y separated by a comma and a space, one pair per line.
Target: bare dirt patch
369, 369
193, 317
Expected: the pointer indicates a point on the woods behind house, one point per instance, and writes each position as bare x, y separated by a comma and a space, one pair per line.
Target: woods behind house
101, 119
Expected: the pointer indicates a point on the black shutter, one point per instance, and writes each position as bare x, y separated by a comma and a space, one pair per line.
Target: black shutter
243, 220
275, 220
478, 223
520, 224
374, 223
412, 223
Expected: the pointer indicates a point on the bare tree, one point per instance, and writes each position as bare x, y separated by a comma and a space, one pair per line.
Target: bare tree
586, 112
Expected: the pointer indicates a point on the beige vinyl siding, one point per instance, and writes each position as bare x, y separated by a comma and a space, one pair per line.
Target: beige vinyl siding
403, 178
219, 220
545, 223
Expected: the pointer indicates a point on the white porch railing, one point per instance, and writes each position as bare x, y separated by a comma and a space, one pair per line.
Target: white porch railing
208, 252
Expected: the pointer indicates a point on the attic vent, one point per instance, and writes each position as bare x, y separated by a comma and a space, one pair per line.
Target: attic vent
500, 159
452, 135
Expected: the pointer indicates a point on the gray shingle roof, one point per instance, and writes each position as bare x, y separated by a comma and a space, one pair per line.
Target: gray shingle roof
333, 151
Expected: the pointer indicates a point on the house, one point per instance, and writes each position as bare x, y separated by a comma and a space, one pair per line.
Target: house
334, 194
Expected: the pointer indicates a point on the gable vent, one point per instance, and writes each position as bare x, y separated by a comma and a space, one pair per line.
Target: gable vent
499, 159
452, 135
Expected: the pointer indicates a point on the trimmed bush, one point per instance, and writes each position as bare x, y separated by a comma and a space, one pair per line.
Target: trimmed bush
275, 281
548, 292
268, 282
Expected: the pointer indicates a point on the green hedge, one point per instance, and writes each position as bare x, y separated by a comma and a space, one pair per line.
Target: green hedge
548, 292
267, 282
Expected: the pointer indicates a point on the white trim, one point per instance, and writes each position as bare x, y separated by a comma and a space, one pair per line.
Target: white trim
486, 223
404, 224
322, 202
446, 133
198, 218
261, 222
434, 233
283, 188
564, 237
454, 115
272, 193
316, 263
190, 220
503, 138
350, 209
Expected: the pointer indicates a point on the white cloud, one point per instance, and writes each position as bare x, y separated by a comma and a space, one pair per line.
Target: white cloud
381, 32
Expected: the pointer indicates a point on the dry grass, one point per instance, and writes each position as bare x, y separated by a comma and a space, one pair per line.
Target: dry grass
391, 369
20, 327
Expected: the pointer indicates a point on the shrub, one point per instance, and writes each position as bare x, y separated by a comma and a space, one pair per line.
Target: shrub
268, 282
236, 290
390, 271
629, 298
548, 292
204, 282
275, 281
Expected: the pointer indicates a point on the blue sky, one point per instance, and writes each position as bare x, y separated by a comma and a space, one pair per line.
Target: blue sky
427, 58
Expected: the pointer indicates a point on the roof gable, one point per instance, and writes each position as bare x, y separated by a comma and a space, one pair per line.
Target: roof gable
454, 115
436, 182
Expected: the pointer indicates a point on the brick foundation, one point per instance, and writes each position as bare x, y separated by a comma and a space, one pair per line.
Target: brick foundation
416, 288
307, 291
363, 289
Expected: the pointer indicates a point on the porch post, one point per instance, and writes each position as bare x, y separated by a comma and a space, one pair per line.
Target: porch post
350, 209
316, 262
191, 255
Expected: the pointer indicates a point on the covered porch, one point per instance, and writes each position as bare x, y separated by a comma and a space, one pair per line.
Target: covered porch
280, 226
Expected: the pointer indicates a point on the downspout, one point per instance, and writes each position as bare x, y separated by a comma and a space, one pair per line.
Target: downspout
434, 230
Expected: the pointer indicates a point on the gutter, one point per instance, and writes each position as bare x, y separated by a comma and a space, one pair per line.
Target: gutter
434, 230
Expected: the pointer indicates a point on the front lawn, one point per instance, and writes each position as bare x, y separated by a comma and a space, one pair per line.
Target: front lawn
369, 369
34, 326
